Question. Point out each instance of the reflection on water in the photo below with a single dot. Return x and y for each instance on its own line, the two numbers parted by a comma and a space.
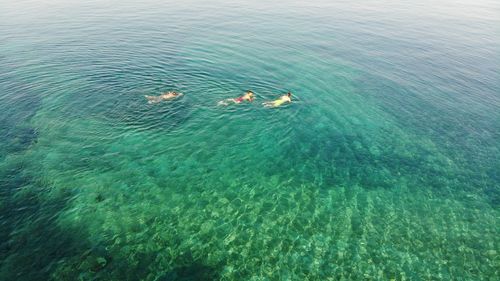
383, 167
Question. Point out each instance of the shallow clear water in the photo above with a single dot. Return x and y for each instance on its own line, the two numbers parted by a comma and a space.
385, 166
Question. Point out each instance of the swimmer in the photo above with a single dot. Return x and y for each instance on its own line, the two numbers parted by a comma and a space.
248, 96
165, 96
280, 101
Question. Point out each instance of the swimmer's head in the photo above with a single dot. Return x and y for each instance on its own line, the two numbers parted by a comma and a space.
289, 94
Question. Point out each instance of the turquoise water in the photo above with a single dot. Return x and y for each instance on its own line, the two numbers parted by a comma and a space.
384, 167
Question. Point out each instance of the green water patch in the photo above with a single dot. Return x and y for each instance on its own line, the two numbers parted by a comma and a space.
30, 237
332, 186
19, 104
380, 176
237, 200
252, 230
465, 139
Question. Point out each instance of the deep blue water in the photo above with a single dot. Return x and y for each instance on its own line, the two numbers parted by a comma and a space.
383, 167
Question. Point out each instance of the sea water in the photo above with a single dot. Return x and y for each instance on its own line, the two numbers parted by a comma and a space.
385, 166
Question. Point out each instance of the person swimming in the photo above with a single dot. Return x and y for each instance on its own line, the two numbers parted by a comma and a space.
280, 101
248, 96
165, 96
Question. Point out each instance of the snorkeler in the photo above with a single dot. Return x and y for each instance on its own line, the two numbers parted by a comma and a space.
165, 96
280, 101
248, 96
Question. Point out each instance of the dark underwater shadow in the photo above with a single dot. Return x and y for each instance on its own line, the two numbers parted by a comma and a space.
192, 272
185, 267
36, 247
329, 158
18, 105
30, 239
33, 245
468, 138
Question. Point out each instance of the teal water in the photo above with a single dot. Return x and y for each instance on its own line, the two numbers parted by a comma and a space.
384, 167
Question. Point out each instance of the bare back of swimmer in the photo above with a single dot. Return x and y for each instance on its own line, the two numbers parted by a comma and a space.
165, 96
